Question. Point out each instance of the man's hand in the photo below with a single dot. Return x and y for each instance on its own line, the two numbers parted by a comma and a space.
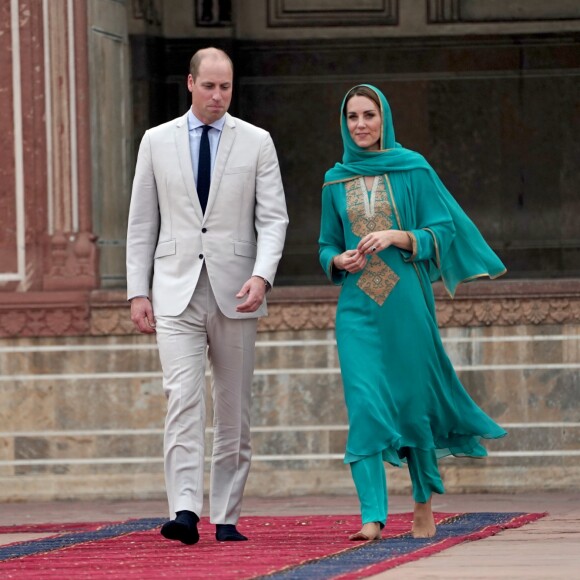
142, 315
254, 289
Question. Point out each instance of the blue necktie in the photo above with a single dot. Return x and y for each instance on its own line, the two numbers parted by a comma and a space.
204, 169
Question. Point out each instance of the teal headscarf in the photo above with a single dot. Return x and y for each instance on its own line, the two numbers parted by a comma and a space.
468, 256
389, 157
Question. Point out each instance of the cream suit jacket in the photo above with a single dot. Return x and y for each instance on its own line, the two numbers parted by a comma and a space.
241, 233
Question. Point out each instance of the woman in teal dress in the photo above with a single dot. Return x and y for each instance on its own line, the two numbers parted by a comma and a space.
389, 228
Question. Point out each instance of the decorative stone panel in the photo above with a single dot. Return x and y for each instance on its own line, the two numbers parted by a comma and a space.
498, 303
107, 313
34, 314
493, 303
332, 13
148, 10
464, 11
111, 119
46, 239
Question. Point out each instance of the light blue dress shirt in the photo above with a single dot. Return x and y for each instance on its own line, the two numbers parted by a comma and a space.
195, 130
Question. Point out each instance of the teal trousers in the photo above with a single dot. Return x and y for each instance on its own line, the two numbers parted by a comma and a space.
371, 482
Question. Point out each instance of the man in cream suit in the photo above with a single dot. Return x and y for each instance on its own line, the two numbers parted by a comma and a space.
206, 231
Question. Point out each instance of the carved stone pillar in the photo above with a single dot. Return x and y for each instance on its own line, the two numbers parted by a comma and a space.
71, 256
48, 254
111, 133
12, 222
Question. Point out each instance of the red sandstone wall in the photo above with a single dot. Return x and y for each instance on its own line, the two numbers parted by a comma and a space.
48, 257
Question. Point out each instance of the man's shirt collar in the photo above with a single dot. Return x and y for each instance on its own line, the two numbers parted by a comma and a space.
193, 122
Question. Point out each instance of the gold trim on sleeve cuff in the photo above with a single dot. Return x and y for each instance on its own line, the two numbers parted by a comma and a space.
413, 239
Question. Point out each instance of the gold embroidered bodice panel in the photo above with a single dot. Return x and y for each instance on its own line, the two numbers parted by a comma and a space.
369, 214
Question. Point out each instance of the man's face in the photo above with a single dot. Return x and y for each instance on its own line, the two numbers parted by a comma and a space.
211, 91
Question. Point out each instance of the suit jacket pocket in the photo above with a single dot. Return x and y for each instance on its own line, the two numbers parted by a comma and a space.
165, 249
238, 169
246, 249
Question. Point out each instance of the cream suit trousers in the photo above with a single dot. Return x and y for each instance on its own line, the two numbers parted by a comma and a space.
183, 342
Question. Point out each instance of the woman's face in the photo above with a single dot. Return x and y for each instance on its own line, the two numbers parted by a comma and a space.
364, 122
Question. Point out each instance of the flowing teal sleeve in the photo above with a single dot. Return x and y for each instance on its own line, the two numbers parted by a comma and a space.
456, 252
469, 256
432, 231
331, 240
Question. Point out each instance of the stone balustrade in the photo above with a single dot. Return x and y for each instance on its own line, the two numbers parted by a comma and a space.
82, 416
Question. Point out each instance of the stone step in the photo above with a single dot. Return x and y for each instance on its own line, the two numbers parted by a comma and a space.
325, 442
280, 478
111, 401
280, 397
92, 410
142, 357
128, 463
139, 354
30, 451
452, 469
84, 356
540, 436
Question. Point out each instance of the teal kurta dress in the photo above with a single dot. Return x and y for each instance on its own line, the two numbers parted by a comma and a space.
400, 387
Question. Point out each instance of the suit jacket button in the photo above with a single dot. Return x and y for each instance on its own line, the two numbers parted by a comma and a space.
203, 230
201, 256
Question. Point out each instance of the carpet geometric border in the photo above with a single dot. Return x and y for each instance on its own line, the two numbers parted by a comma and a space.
280, 548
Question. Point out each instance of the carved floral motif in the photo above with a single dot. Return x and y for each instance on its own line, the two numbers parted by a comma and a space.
105, 321
13, 322
450, 313
511, 311
487, 312
444, 312
536, 311
71, 262
462, 314
113, 318
44, 321
560, 309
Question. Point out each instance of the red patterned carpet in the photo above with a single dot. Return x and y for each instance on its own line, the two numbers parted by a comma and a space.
297, 548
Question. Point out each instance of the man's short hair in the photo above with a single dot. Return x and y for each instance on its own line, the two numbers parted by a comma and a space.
201, 54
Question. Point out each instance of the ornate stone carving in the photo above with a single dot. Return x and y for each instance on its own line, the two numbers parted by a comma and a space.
296, 308
301, 316
71, 261
487, 312
210, 13
44, 321
443, 10
147, 10
291, 313
333, 13
446, 11
561, 309
113, 320
444, 313
511, 311
12, 323
535, 311
461, 312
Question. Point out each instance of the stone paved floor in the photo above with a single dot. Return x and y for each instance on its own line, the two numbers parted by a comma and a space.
548, 549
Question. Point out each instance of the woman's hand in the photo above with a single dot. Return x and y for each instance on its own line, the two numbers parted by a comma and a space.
352, 261
377, 241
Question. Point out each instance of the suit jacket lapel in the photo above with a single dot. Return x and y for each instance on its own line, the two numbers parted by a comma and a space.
227, 139
184, 156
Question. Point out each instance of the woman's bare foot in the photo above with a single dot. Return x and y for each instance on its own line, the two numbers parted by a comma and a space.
370, 531
423, 521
